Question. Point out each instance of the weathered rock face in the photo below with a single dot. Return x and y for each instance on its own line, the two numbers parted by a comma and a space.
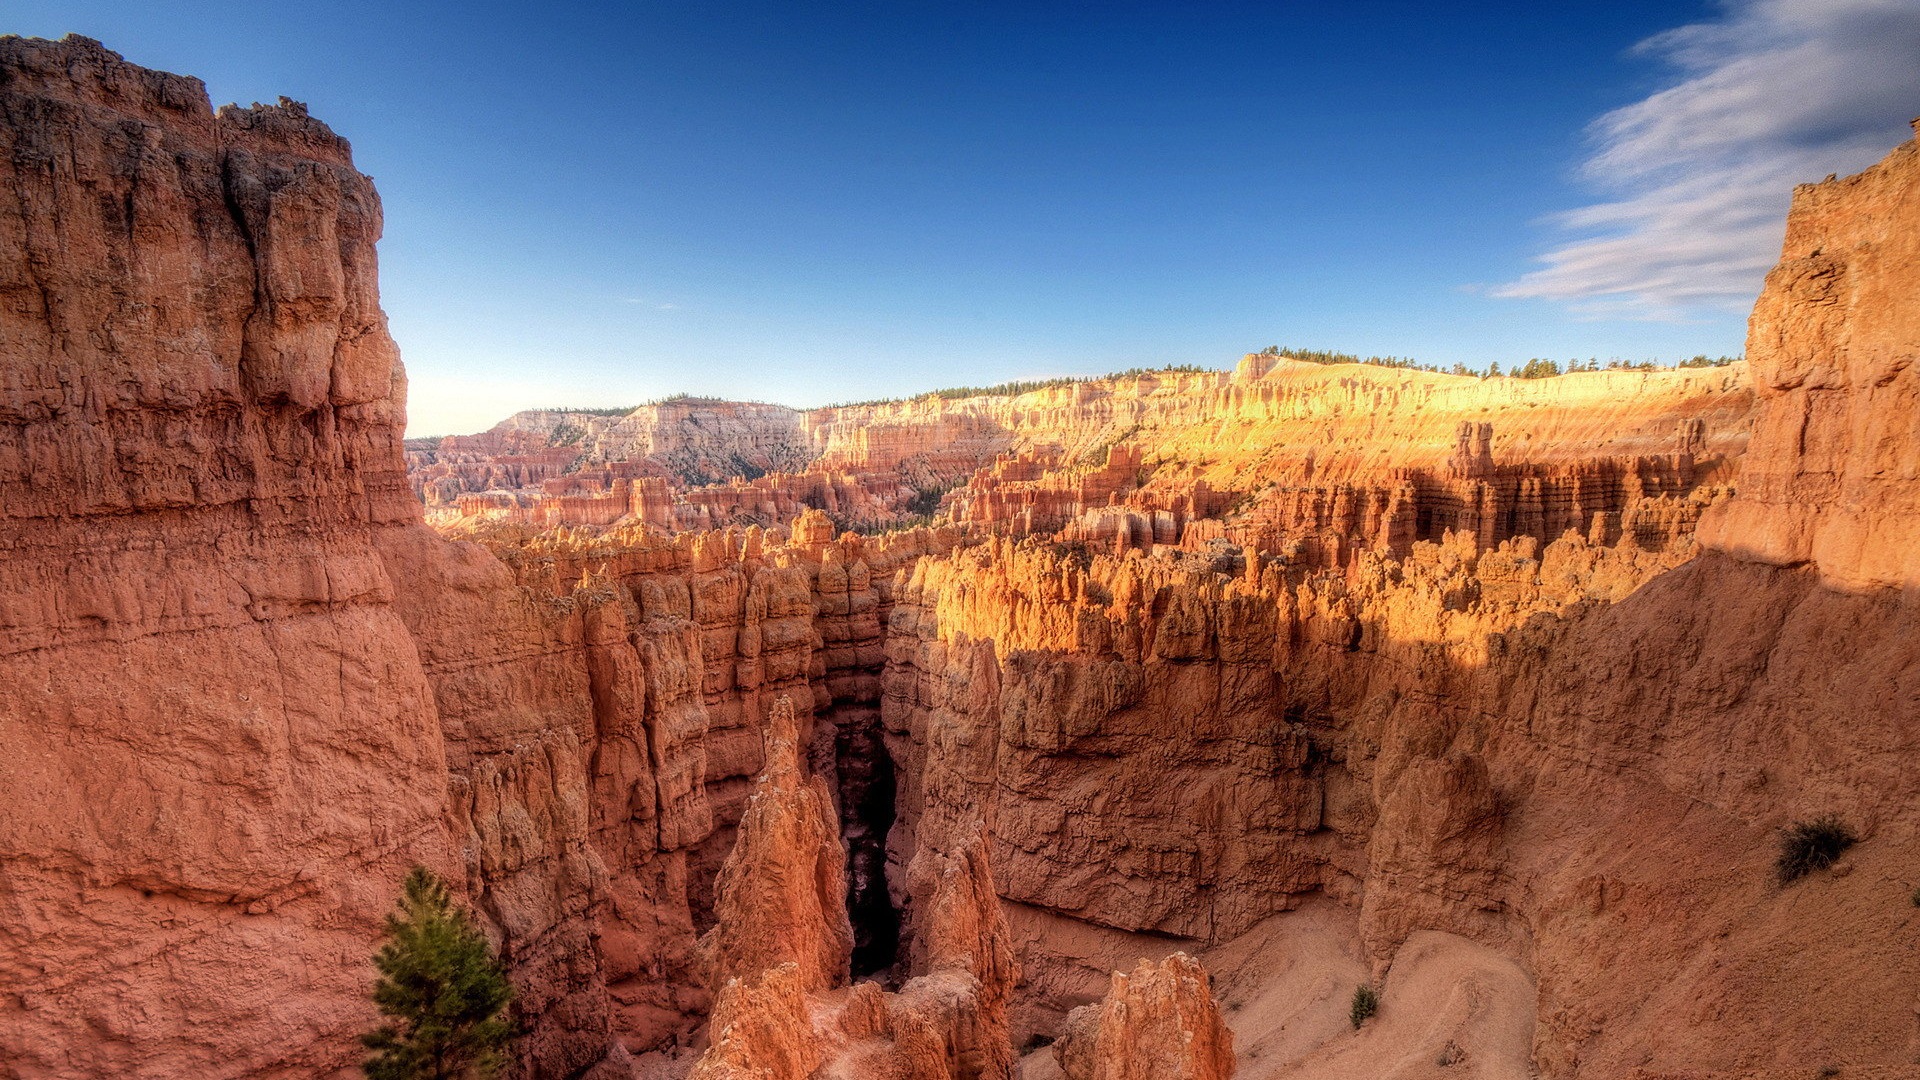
1166, 750
230, 751
1538, 750
443, 470
1315, 463
779, 955
782, 895
309, 690
1301, 661
1434, 860
1321, 459
1833, 342
693, 440
1159, 1022
962, 958
761, 1030
1575, 753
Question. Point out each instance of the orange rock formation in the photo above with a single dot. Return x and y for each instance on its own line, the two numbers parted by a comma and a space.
1837, 476
1158, 1023
1322, 675
1319, 457
779, 954
310, 691
230, 746
782, 895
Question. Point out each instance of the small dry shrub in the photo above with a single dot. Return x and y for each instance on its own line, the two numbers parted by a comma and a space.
1366, 1002
1806, 846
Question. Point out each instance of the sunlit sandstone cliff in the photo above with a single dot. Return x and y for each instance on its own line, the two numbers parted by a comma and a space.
1574, 752
1308, 448
1833, 338
264, 688
1473, 716
694, 440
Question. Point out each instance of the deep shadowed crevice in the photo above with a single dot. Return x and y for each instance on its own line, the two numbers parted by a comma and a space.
867, 794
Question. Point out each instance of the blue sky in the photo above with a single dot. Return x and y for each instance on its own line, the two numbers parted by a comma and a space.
595, 204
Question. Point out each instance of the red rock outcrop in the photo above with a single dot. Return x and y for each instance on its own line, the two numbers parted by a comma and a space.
310, 691
962, 958
442, 471
1303, 661
779, 953
1575, 753
1158, 1022
230, 751
1309, 460
761, 1030
1431, 740
1833, 342
782, 895
695, 440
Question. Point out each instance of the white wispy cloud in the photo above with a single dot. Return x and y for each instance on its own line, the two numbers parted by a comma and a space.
1697, 177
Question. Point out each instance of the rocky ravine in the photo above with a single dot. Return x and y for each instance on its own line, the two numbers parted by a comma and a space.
1501, 722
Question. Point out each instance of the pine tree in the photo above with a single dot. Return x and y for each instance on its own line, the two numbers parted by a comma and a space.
444, 989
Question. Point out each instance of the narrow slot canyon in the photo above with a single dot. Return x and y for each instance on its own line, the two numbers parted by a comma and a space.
867, 796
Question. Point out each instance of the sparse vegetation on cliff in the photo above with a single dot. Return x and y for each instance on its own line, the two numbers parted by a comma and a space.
1077, 554
1325, 356
1366, 1002
1592, 363
443, 988
1096, 455
1806, 846
1535, 368
926, 501
1026, 386
954, 393
620, 410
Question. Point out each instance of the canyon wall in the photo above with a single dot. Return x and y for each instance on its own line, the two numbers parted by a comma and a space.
1833, 342
695, 440
222, 749
1490, 693
1576, 749
778, 959
263, 688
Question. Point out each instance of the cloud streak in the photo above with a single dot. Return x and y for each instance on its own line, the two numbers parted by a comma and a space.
1697, 176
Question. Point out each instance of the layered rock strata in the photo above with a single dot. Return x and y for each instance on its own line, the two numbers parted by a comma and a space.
782, 895
230, 751
1562, 751
1833, 341
1340, 456
694, 440
780, 952
1472, 714
204, 496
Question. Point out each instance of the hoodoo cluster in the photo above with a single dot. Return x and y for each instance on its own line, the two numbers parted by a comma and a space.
1142, 727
